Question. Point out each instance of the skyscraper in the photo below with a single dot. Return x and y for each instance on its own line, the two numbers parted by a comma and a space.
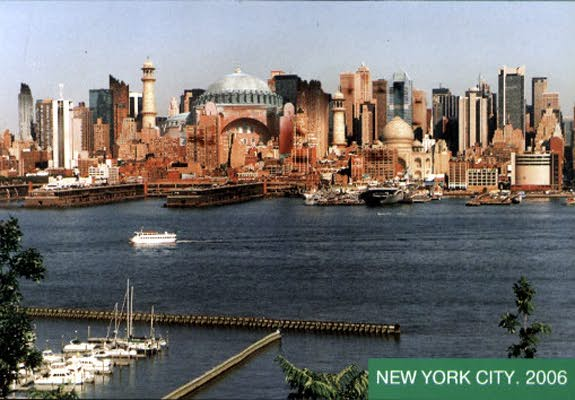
445, 113
25, 113
120, 109
399, 98
135, 104
511, 102
357, 89
82, 123
44, 125
62, 139
380, 97
473, 120
419, 114
148, 96
538, 87
101, 105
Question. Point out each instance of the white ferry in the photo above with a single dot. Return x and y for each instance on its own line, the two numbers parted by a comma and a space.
153, 237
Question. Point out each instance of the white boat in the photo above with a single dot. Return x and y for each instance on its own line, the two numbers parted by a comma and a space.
62, 374
93, 364
75, 346
153, 237
48, 357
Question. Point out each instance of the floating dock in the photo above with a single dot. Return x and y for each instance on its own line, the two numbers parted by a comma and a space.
220, 369
84, 196
337, 327
216, 196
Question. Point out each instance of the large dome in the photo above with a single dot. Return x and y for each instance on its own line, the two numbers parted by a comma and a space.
398, 131
240, 82
240, 89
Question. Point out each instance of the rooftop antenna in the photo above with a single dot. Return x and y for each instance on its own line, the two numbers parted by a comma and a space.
61, 90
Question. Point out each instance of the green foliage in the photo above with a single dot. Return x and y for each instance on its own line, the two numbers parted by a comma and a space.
348, 384
519, 323
58, 394
16, 333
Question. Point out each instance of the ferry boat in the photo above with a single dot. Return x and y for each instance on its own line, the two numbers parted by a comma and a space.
153, 237
383, 195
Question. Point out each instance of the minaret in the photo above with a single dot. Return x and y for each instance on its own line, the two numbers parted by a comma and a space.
338, 120
148, 96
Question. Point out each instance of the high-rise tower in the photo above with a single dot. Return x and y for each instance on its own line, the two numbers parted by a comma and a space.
338, 109
538, 87
25, 113
399, 98
148, 96
511, 100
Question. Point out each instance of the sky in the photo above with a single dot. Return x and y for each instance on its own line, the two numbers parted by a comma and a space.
193, 44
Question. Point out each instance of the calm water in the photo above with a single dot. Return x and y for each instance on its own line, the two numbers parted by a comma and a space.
442, 270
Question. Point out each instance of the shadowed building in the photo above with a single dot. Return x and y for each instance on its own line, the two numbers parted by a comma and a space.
473, 121
380, 97
399, 98
511, 101
44, 125
25, 113
419, 114
120, 109
188, 98
445, 114
538, 87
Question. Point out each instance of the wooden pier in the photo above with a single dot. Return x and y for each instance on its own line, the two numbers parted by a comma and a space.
84, 196
336, 327
220, 369
216, 196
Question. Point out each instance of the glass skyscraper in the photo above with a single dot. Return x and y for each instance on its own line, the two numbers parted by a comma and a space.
399, 98
511, 99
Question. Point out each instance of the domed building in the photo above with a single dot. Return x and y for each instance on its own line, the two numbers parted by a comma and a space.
248, 114
411, 155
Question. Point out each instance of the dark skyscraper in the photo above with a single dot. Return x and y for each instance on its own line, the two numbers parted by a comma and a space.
380, 96
399, 98
511, 102
101, 105
25, 113
120, 109
44, 124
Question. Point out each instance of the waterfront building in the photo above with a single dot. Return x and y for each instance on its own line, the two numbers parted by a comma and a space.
535, 171
380, 162
538, 87
25, 113
511, 101
148, 96
457, 178
441, 157
44, 124
399, 98
483, 178
135, 105
419, 114
247, 112
473, 120
380, 98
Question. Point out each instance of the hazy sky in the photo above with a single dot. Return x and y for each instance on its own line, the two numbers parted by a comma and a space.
192, 44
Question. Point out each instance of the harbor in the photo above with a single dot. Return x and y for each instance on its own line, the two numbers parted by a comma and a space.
266, 259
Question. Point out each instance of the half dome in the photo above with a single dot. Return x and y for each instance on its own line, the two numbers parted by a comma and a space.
397, 130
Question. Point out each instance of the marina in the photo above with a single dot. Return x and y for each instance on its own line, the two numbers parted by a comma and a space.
266, 259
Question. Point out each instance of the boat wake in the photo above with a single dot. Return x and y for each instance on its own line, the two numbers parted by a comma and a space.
198, 241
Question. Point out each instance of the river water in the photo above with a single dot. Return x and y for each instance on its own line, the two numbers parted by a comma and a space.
442, 270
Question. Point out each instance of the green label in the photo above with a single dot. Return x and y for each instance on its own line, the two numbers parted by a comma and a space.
471, 379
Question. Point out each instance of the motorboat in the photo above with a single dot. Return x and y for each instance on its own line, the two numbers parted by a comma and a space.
95, 365
153, 237
75, 346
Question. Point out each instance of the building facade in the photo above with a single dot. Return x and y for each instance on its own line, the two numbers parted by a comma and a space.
25, 113
538, 87
511, 100
400, 98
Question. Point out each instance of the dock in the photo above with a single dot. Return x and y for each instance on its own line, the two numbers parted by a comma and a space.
201, 381
232, 322
84, 196
215, 196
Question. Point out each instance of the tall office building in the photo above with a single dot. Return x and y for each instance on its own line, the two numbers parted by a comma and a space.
100, 103
538, 87
473, 120
445, 114
357, 89
25, 113
419, 114
44, 123
120, 109
135, 104
82, 124
511, 101
148, 96
62, 138
380, 97
399, 98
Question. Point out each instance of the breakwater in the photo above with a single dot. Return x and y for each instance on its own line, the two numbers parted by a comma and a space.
220, 369
338, 327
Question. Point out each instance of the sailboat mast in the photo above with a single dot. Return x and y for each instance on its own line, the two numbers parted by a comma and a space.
128, 328
131, 311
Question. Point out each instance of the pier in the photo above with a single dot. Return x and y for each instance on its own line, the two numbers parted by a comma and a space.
216, 196
335, 327
84, 196
220, 369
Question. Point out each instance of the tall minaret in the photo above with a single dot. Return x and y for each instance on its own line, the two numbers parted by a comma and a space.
338, 120
148, 96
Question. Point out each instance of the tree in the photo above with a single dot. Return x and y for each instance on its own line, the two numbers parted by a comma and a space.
16, 333
350, 383
528, 334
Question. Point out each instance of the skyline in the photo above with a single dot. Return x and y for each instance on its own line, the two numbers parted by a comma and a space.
194, 44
